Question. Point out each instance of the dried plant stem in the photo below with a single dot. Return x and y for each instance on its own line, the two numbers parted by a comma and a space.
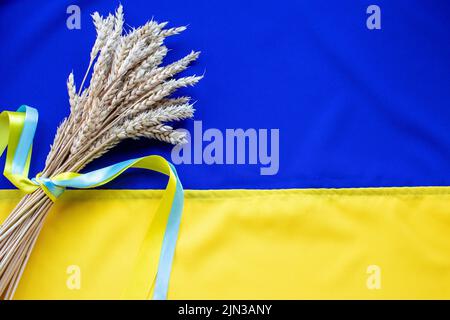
15, 252
127, 97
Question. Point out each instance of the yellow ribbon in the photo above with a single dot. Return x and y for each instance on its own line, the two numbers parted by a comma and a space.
11, 127
156, 255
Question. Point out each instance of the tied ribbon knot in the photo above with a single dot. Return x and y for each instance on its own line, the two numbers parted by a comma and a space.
47, 184
155, 257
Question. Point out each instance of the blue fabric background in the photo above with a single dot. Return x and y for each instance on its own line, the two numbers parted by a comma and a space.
355, 108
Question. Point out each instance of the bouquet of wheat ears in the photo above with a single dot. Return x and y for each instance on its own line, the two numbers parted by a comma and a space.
129, 96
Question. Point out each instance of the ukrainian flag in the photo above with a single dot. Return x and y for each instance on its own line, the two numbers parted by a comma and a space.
320, 168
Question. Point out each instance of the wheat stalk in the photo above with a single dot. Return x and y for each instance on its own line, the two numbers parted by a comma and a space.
128, 97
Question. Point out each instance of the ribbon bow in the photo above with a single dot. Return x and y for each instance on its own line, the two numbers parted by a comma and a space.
156, 255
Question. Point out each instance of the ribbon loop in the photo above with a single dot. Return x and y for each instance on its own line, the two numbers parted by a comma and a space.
47, 185
154, 262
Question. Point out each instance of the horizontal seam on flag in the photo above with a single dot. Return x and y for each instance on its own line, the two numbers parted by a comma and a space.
114, 194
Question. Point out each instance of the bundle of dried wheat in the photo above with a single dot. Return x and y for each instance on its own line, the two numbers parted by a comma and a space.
128, 97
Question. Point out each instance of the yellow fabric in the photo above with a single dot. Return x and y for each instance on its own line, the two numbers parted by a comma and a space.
16, 135
250, 244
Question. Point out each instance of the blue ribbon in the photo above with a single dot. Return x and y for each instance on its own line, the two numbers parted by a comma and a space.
54, 187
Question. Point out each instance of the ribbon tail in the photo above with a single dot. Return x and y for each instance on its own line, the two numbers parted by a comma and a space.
169, 244
17, 131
